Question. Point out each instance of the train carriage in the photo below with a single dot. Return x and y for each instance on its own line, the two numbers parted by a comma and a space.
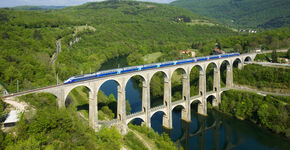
144, 67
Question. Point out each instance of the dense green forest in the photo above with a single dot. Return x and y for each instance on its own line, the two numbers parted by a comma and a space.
104, 30
263, 77
269, 111
95, 32
267, 40
242, 14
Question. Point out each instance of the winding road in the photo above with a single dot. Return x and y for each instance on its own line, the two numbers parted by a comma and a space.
269, 64
58, 45
244, 88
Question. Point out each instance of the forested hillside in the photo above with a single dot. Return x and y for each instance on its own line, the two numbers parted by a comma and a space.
242, 13
267, 40
90, 34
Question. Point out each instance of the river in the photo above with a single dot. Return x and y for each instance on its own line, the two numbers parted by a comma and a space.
216, 131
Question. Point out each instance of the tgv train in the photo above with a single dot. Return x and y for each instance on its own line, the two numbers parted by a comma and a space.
144, 67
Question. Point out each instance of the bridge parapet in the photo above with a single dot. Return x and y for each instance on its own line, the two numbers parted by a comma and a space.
177, 102
135, 114
62, 91
157, 108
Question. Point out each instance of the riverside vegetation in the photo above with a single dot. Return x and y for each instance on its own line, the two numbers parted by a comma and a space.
263, 77
272, 112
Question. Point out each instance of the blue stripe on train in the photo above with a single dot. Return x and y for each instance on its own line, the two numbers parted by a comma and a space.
148, 67
129, 70
163, 65
214, 57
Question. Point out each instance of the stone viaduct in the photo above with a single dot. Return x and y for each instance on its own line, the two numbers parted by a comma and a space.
61, 91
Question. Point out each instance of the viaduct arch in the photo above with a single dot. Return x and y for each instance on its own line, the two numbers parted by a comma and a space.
61, 91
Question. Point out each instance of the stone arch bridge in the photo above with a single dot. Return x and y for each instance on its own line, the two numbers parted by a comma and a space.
61, 91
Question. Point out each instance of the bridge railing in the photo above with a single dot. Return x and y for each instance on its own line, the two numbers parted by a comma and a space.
29, 91
195, 97
177, 102
158, 107
134, 114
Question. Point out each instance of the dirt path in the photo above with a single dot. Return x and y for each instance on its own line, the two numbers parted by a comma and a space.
22, 106
140, 138
82, 116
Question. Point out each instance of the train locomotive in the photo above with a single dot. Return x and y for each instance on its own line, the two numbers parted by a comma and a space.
104, 73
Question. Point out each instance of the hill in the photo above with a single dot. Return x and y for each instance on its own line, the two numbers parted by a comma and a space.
91, 34
242, 13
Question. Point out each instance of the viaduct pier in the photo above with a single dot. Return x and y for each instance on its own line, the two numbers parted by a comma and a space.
93, 85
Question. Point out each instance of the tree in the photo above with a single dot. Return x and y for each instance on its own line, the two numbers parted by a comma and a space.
2, 137
5, 35
288, 53
274, 56
1, 107
37, 35
238, 47
30, 143
128, 107
110, 137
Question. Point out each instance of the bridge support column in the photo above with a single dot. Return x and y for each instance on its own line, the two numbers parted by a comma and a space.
93, 109
229, 80
121, 109
202, 109
146, 102
185, 114
167, 118
216, 87
60, 94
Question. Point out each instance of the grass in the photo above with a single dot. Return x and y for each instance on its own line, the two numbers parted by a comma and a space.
149, 141
132, 142
150, 58
83, 28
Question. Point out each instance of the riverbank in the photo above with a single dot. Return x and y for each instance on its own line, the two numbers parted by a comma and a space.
271, 112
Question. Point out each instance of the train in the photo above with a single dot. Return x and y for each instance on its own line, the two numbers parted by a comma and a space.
104, 73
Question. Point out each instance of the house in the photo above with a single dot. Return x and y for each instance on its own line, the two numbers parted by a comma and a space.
218, 51
258, 50
187, 52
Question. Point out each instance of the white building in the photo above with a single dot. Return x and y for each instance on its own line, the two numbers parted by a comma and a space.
12, 118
